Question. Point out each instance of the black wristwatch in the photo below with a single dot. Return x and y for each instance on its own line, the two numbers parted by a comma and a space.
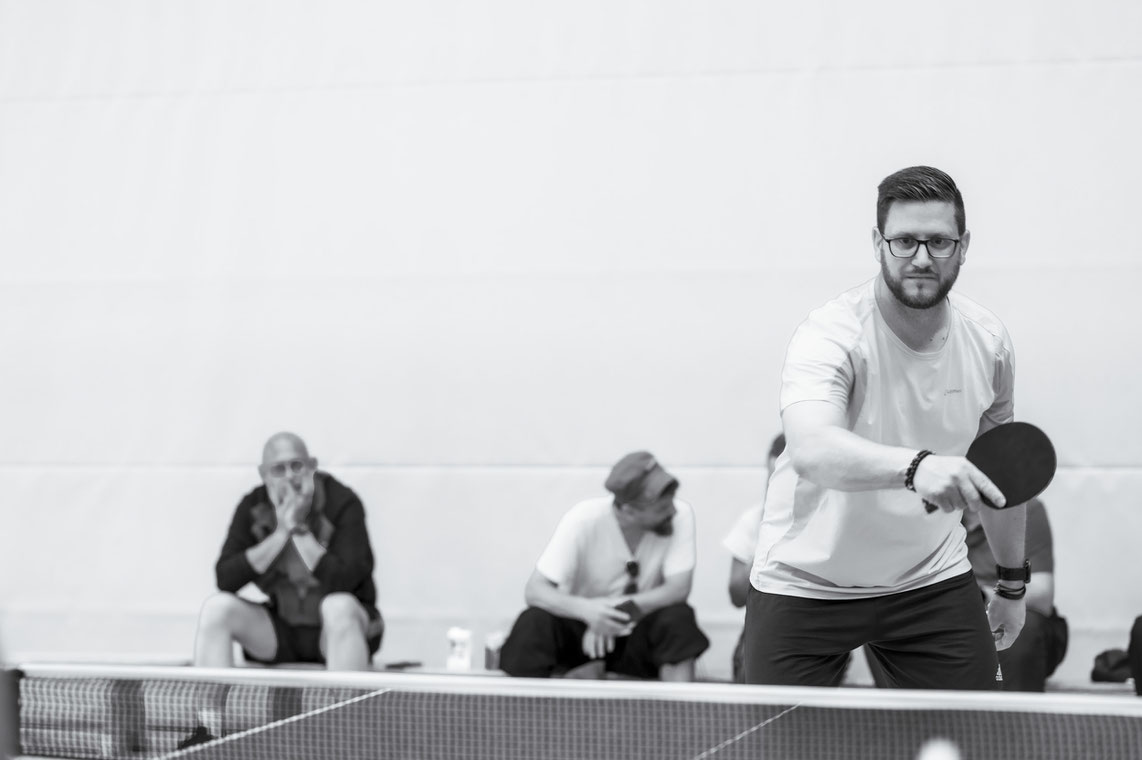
1015, 573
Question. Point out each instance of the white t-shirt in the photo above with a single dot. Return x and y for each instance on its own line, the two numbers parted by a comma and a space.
826, 544
587, 555
741, 541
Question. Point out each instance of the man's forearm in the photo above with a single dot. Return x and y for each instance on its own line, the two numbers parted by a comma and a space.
672, 591
262, 555
1006, 531
840, 459
551, 599
739, 581
309, 548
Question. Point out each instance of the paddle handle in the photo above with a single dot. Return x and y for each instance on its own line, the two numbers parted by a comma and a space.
930, 507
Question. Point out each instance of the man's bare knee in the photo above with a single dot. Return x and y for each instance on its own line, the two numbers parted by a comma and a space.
222, 610
341, 612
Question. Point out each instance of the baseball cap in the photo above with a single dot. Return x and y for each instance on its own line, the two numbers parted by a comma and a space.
638, 478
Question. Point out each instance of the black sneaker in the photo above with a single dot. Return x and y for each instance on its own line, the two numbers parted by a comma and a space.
198, 736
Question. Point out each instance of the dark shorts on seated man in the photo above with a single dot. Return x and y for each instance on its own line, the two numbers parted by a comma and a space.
542, 645
302, 643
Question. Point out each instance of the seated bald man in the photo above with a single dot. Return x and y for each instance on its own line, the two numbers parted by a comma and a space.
301, 538
609, 591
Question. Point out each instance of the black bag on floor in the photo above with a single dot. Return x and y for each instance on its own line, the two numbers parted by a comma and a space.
1111, 666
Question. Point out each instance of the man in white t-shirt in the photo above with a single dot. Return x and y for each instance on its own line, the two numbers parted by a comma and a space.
609, 591
873, 383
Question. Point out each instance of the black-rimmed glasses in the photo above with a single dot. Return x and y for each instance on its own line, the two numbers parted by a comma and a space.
632, 583
938, 247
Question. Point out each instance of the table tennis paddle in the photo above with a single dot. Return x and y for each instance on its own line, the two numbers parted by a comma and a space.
631, 609
1018, 457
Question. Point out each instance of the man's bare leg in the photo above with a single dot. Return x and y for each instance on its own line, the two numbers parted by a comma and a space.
592, 670
677, 671
224, 619
343, 633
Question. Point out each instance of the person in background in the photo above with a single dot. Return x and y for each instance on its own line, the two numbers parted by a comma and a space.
1134, 654
741, 542
609, 591
301, 538
1041, 645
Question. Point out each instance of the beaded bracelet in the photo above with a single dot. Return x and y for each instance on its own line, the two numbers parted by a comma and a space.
911, 473
1013, 594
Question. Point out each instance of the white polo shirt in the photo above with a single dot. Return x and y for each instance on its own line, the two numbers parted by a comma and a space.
587, 555
826, 544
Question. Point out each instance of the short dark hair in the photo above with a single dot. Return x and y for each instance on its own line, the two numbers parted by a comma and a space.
918, 183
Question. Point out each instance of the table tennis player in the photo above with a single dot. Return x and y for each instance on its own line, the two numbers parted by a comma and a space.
609, 592
874, 382
301, 538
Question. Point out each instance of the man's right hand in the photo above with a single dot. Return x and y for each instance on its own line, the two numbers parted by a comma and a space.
953, 483
601, 617
289, 506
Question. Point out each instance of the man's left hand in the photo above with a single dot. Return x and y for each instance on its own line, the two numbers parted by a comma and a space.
597, 645
1005, 617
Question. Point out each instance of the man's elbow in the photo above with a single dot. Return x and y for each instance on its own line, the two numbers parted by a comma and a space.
737, 594
533, 591
681, 589
225, 582
805, 464
223, 576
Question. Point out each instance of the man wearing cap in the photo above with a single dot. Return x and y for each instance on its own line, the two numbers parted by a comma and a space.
609, 591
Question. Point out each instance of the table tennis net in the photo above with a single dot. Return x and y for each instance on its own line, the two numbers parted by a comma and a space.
92, 712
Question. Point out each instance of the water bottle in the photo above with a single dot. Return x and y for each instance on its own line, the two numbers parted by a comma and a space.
459, 649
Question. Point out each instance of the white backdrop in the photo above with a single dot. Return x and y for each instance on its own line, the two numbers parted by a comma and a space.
476, 251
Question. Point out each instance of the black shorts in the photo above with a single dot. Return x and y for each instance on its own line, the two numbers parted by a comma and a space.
302, 643
936, 637
541, 645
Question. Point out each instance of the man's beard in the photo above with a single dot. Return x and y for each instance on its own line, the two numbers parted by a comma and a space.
896, 285
664, 528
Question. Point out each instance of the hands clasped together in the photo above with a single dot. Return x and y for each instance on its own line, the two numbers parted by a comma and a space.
605, 623
292, 502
